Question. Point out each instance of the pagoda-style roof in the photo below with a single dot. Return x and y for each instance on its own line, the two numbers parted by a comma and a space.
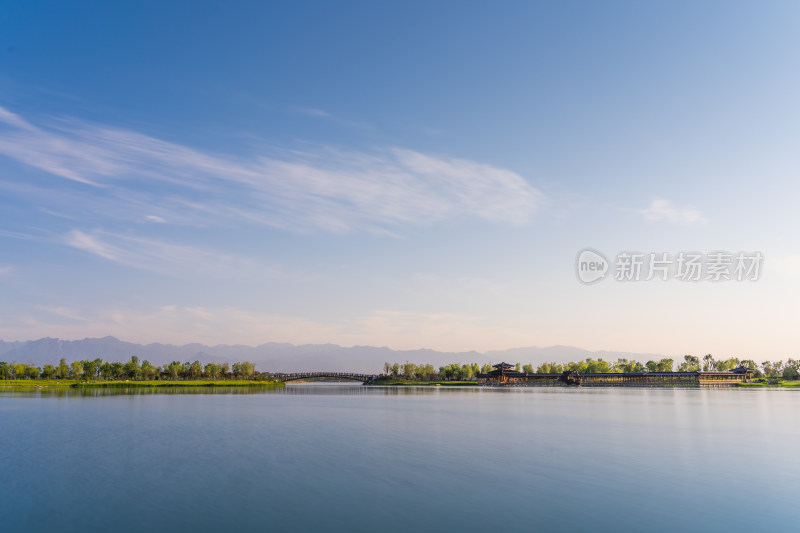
503, 365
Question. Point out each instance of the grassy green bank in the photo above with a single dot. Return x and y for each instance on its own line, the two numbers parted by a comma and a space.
68, 383
412, 383
784, 383
36, 383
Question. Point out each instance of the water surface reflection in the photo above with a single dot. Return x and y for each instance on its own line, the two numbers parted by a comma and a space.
344, 457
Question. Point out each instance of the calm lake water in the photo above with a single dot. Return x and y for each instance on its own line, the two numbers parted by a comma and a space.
352, 458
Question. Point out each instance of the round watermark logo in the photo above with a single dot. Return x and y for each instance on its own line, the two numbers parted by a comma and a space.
591, 266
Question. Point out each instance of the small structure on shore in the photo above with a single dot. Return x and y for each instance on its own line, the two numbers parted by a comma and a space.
505, 375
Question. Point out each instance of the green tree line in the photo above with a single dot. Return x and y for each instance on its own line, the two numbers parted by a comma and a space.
466, 372
97, 369
427, 372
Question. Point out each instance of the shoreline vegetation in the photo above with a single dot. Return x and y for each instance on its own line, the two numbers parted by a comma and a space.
68, 383
764, 384
768, 374
97, 373
384, 381
388, 381
133, 374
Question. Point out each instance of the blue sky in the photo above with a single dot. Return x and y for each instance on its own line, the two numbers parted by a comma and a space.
407, 174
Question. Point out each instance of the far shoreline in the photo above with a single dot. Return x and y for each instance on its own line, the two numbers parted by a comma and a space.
17, 384
26, 384
762, 384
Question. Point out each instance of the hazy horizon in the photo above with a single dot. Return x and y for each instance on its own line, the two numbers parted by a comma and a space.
282, 357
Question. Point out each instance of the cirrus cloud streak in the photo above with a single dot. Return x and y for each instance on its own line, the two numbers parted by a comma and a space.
319, 189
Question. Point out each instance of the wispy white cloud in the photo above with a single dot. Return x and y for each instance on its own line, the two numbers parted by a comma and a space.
23, 236
314, 112
89, 243
663, 211
5, 270
320, 189
159, 256
63, 312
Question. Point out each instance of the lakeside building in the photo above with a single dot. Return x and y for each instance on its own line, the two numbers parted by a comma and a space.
505, 375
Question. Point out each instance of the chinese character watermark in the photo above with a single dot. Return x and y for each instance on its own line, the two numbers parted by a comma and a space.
717, 266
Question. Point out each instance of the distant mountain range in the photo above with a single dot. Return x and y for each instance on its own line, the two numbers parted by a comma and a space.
280, 357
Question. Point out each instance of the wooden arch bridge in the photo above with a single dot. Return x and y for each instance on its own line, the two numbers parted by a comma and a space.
363, 378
